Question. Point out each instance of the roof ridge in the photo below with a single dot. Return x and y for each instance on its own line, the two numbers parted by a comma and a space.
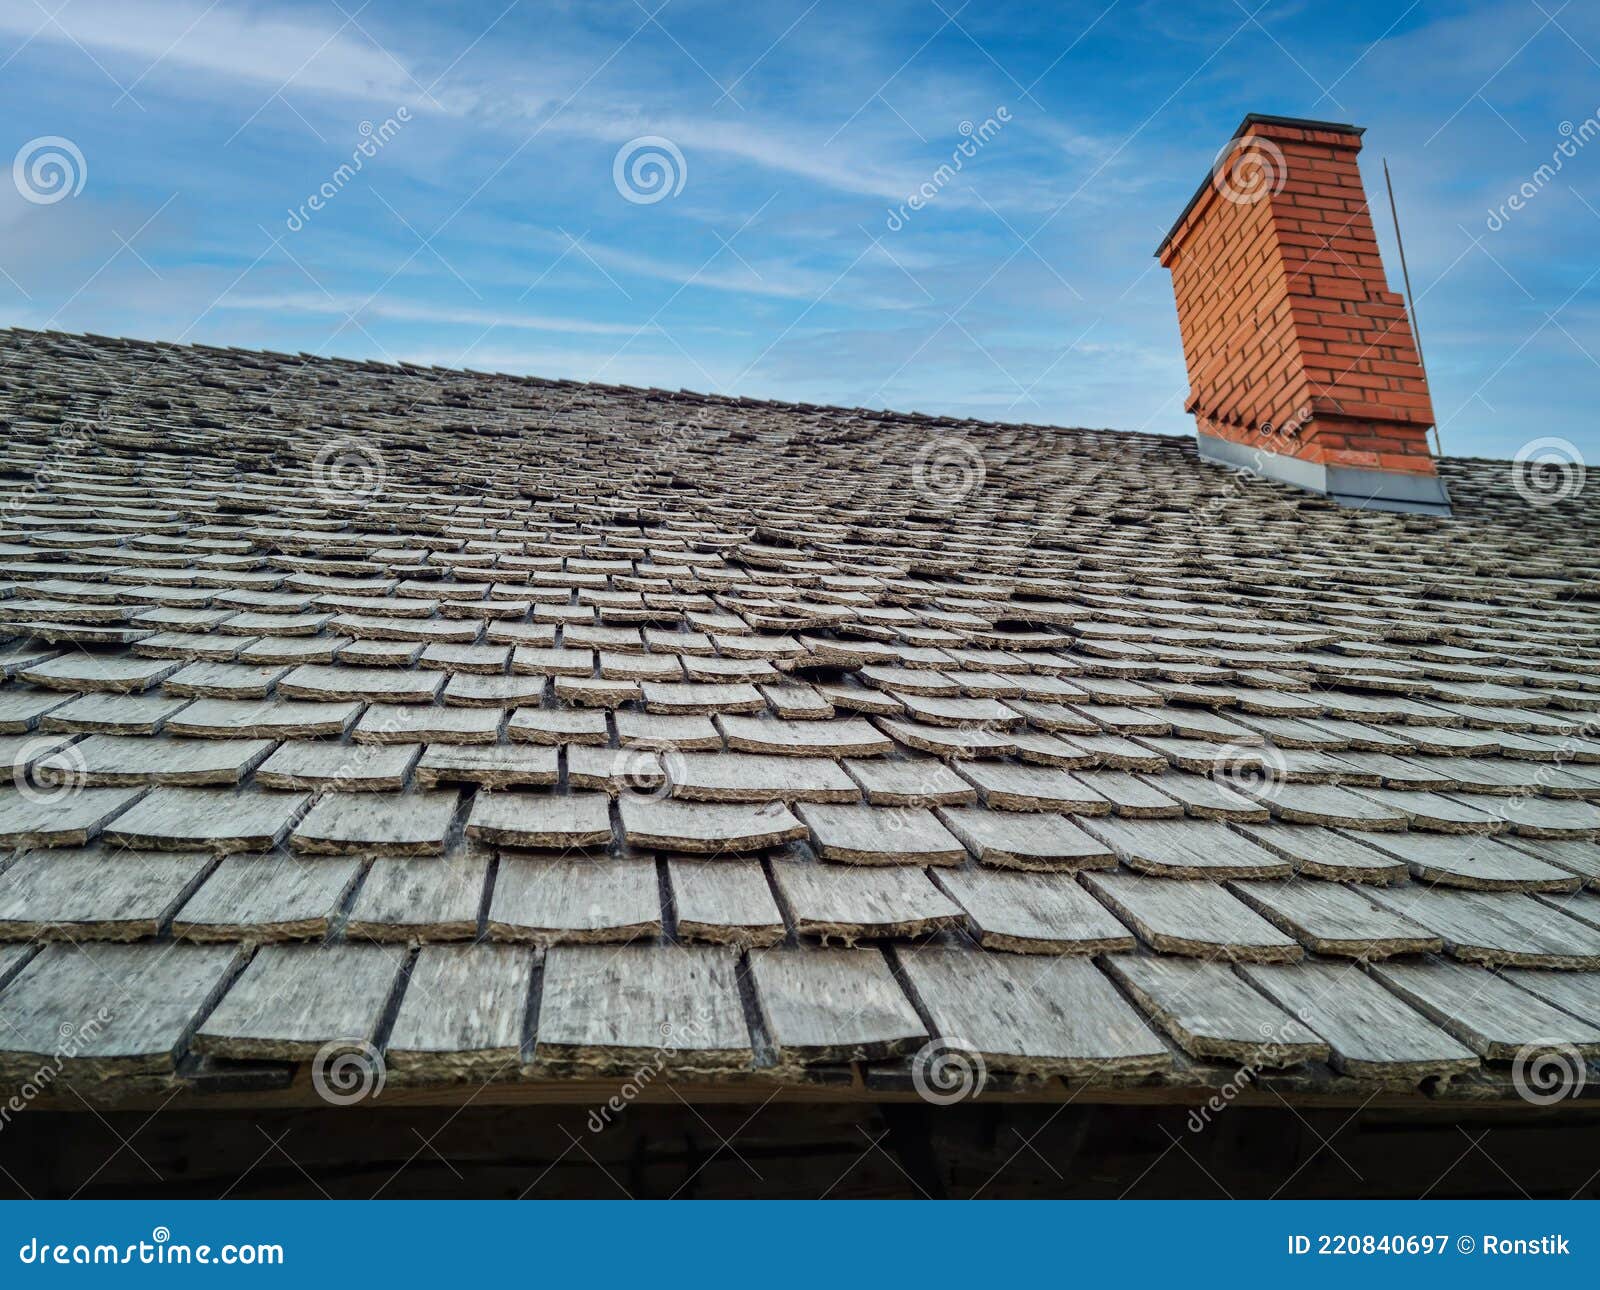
723, 400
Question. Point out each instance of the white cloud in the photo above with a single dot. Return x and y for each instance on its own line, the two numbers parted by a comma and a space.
786, 151
409, 311
312, 53
272, 50
727, 270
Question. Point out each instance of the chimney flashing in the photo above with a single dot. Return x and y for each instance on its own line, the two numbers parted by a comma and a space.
1358, 487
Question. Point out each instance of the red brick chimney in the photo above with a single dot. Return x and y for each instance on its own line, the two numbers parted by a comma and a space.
1301, 361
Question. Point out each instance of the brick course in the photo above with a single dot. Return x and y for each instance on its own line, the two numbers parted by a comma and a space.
1293, 341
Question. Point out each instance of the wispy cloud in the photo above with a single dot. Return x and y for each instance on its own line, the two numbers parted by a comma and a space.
306, 302
776, 271
725, 269
310, 53
790, 150
233, 45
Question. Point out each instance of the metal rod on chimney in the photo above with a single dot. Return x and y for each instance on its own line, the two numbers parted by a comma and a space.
1416, 327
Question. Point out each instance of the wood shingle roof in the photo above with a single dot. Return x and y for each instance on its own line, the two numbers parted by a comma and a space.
525, 730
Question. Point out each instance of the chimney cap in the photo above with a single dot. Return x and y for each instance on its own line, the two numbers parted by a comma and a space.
1297, 122
1254, 119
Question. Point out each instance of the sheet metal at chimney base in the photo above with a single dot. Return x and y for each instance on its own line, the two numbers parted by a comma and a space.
1373, 490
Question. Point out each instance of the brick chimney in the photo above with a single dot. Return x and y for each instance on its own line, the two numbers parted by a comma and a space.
1302, 366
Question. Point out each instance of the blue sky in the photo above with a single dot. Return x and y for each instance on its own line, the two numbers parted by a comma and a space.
486, 226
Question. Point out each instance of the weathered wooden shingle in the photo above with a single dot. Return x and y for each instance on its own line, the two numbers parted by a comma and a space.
94, 893
577, 898
1034, 913
499, 766
124, 760
331, 767
432, 898
464, 1013
753, 777
1371, 1032
848, 904
240, 718
678, 1006
1012, 840
1507, 929
1036, 1016
207, 819
1201, 919
1212, 1013
834, 1005
875, 835
704, 828
726, 902
387, 824
1492, 1017
267, 898
294, 999
1329, 918
67, 819
545, 822
86, 673
109, 1009
1188, 849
